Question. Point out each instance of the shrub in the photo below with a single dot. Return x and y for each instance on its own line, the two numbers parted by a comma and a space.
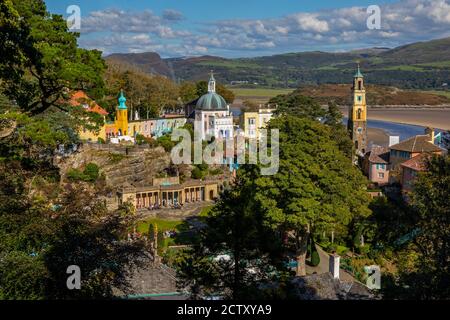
151, 232
115, 158
215, 172
315, 259
161, 243
91, 172
166, 142
75, 175
197, 173
101, 140
341, 250
202, 166
365, 249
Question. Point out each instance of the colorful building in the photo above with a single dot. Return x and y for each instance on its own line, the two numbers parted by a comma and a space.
413, 147
167, 192
122, 125
212, 116
252, 121
376, 165
410, 169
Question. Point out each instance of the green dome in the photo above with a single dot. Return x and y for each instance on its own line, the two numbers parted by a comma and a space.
211, 101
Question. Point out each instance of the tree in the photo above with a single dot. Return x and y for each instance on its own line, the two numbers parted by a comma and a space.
429, 275
236, 252
316, 187
298, 105
41, 60
188, 92
39, 241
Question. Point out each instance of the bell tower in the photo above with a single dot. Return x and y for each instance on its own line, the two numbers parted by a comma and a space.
357, 116
122, 116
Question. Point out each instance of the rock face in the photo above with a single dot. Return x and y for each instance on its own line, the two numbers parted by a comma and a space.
123, 166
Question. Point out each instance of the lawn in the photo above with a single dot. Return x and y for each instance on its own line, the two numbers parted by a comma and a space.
259, 92
163, 225
205, 211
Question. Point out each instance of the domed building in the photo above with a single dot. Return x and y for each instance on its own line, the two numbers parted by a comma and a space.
212, 116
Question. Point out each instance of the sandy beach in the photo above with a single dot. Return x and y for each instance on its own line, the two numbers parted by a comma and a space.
436, 118
378, 137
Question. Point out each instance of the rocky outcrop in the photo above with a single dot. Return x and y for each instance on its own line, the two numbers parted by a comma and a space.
122, 166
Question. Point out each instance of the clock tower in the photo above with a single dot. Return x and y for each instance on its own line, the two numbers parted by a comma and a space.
357, 116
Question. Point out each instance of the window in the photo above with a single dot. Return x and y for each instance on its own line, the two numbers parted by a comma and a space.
251, 121
359, 114
359, 85
380, 175
359, 98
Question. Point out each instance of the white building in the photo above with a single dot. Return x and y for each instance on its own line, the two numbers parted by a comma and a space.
212, 115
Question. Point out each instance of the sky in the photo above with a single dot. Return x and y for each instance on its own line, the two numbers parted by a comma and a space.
248, 28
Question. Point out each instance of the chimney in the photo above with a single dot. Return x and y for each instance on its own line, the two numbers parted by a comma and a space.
334, 265
393, 140
430, 132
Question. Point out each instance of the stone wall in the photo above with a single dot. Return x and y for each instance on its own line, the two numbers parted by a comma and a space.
123, 166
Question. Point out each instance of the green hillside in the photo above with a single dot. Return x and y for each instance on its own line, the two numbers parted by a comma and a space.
422, 65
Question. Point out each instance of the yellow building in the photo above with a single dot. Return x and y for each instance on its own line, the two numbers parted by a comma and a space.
121, 121
80, 98
252, 121
168, 192
122, 125
357, 116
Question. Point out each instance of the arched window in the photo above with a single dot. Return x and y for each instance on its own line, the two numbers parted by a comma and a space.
359, 85
359, 114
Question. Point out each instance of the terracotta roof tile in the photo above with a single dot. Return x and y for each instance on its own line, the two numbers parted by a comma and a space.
80, 97
419, 143
418, 163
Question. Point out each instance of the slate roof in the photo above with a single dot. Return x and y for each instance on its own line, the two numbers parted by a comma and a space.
419, 143
379, 154
325, 287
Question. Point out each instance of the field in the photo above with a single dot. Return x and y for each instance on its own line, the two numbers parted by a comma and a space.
256, 95
259, 92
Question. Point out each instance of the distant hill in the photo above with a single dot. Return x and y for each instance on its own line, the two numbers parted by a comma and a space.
422, 65
376, 95
148, 62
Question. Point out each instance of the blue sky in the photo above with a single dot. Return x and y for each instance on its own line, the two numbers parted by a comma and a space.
242, 28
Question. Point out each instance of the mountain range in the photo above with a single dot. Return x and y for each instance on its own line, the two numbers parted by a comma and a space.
421, 65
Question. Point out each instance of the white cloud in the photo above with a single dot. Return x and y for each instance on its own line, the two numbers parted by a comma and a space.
402, 22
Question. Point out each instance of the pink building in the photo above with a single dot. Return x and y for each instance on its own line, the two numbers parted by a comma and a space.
410, 170
376, 163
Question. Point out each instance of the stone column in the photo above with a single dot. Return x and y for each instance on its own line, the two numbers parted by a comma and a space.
334, 265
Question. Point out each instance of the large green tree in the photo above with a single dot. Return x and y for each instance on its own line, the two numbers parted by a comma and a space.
428, 276
316, 188
41, 60
46, 227
236, 251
